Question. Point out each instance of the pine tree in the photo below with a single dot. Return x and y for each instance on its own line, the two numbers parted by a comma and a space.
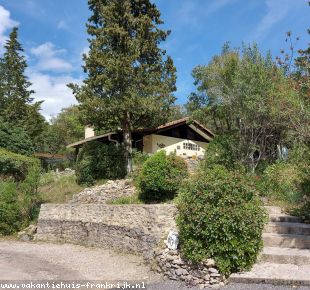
130, 78
16, 102
15, 94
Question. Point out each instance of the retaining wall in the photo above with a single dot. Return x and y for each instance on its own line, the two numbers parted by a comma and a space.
129, 228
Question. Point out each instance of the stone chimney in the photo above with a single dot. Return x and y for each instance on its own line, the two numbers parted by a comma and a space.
89, 132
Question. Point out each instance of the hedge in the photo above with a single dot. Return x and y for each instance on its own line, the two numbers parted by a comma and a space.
16, 165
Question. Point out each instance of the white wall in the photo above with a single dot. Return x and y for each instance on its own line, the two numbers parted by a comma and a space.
153, 143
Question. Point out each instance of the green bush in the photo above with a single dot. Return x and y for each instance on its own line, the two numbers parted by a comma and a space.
161, 177
19, 197
10, 210
15, 165
282, 181
19, 202
221, 217
100, 161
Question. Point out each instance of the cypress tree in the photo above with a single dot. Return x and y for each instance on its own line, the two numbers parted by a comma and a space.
15, 94
130, 79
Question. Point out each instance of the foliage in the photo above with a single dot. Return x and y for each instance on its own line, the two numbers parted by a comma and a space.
100, 161
221, 217
16, 165
161, 177
10, 215
19, 201
132, 199
58, 189
16, 101
244, 94
221, 151
282, 182
15, 139
138, 159
130, 79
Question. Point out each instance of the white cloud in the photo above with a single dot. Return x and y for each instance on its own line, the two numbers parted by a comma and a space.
53, 91
190, 12
48, 58
277, 10
62, 25
5, 23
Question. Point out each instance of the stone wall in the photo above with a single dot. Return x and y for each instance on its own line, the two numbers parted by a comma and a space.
129, 228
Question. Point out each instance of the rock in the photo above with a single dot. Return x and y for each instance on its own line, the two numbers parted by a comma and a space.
111, 190
169, 258
215, 275
209, 263
213, 270
181, 271
27, 234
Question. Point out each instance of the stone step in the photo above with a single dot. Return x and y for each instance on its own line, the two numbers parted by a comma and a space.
285, 256
286, 241
283, 218
272, 273
287, 228
273, 209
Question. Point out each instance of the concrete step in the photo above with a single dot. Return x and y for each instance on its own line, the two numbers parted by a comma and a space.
286, 241
287, 228
285, 256
273, 209
283, 218
278, 274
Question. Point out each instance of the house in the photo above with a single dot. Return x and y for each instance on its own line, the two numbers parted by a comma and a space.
185, 137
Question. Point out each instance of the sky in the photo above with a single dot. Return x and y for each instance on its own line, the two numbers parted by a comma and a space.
53, 35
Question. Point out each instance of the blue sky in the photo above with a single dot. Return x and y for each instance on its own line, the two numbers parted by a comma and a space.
54, 37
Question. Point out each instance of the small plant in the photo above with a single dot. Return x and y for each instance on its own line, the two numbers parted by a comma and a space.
161, 177
221, 217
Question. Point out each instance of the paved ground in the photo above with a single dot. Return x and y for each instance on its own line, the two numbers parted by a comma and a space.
43, 261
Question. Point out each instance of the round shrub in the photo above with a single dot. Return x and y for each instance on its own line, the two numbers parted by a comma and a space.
221, 217
161, 177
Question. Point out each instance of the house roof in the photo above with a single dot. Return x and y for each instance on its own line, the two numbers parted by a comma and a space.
200, 129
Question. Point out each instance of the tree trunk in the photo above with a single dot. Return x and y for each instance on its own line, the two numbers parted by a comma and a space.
127, 143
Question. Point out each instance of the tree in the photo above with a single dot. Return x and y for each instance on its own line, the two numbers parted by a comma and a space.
16, 101
15, 93
245, 95
15, 139
130, 79
69, 125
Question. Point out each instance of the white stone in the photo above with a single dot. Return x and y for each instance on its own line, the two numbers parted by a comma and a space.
172, 240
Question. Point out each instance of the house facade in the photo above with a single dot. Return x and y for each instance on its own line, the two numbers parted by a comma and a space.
184, 137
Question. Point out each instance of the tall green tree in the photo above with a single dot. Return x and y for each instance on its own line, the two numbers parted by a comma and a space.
15, 92
130, 78
245, 96
16, 102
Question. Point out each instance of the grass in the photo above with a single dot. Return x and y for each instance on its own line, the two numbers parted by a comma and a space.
60, 189
132, 199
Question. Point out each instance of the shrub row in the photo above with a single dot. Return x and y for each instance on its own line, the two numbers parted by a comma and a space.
16, 165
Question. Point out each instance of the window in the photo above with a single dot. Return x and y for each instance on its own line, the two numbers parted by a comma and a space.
190, 146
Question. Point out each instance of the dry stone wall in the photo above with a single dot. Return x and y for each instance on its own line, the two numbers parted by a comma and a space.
130, 228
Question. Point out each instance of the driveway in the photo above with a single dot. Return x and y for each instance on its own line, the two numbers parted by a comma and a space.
22, 262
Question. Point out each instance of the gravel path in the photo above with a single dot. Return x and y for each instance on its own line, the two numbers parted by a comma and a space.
45, 261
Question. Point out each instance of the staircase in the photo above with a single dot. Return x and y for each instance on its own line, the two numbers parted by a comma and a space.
285, 258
